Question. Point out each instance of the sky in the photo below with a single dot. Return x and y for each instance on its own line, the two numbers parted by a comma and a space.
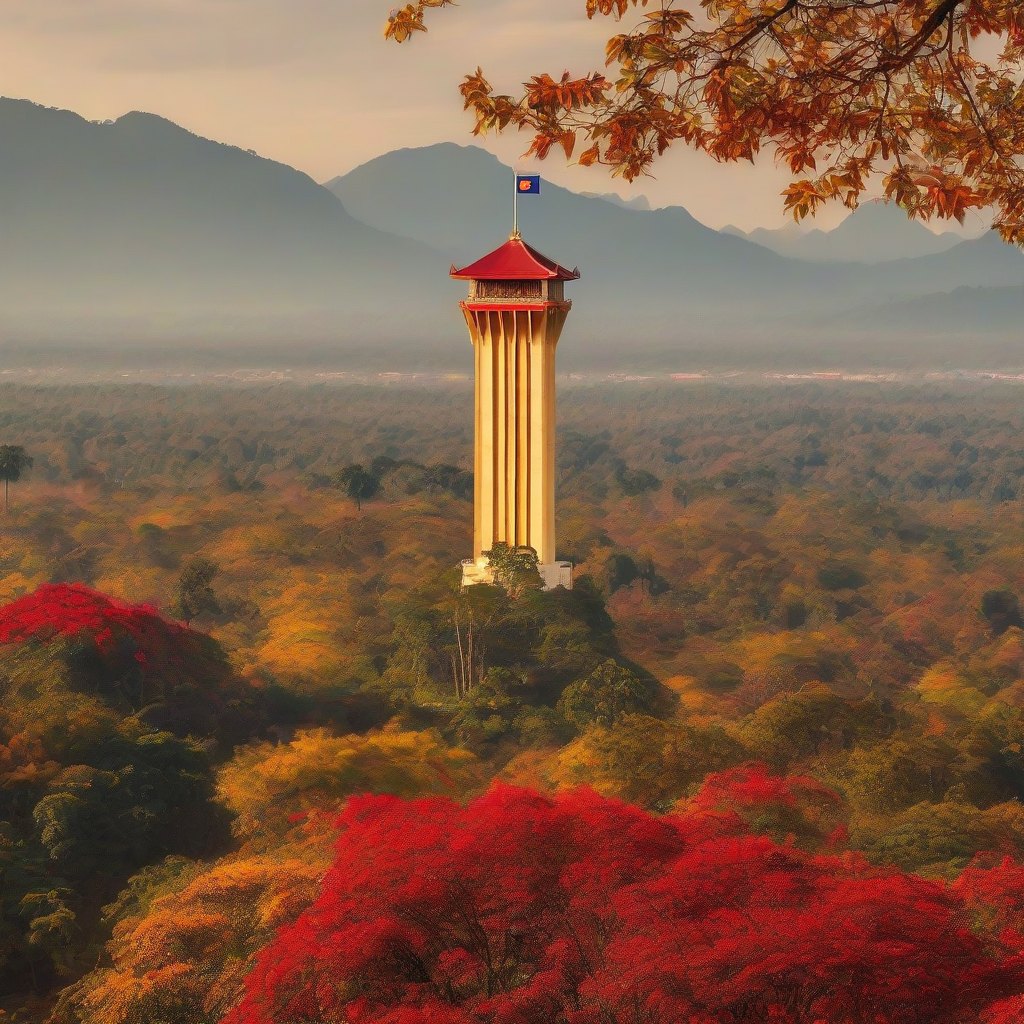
312, 83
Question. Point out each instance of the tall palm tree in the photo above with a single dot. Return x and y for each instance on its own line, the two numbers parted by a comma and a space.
13, 462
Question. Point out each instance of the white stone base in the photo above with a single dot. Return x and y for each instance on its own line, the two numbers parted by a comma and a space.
476, 571
554, 574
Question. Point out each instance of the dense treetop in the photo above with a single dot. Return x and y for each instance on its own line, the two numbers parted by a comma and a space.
110, 720
520, 907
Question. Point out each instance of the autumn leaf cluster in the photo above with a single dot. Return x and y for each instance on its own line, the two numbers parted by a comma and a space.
849, 91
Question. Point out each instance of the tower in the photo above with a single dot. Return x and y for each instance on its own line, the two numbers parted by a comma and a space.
515, 313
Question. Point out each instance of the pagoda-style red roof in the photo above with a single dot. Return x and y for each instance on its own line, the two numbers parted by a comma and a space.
515, 261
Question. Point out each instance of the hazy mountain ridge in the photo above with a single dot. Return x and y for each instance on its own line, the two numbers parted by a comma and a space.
873, 233
140, 217
663, 269
139, 229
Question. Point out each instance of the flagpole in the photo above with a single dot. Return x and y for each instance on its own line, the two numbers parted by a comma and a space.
515, 203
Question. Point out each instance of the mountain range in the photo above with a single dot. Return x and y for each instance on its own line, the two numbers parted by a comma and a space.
137, 226
653, 280
141, 231
874, 233
456, 198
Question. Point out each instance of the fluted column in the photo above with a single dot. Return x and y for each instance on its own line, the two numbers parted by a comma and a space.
514, 456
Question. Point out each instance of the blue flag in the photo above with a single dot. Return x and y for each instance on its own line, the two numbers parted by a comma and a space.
528, 184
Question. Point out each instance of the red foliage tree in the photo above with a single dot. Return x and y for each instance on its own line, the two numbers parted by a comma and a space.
131, 655
994, 895
523, 909
67, 609
793, 808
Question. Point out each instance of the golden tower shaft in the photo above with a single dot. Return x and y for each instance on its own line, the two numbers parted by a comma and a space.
514, 462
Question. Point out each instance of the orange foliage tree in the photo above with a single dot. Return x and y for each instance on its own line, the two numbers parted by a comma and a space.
844, 89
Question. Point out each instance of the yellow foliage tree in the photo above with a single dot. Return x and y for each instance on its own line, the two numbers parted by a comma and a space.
186, 933
265, 783
182, 955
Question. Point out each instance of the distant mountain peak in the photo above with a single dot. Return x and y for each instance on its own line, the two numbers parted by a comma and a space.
145, 219
876, 232
636, 203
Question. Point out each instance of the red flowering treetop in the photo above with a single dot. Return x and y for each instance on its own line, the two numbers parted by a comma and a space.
176, 678
68, 609
792, 809
994, 894
843, 89
525, 909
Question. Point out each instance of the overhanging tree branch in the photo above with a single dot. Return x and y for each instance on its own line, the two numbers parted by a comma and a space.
869, 89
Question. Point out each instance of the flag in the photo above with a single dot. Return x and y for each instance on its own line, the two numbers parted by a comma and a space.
528, 184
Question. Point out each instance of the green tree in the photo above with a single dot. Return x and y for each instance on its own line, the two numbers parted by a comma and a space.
138, 800
14, 461
603, 697
635, 481
796, 726
1002, 609
834, 575
515, 569
938, 838
647, 761
195, 590
487, 712
357, 483
896, 773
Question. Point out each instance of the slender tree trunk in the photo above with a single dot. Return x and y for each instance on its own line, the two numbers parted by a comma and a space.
455, 677
7, 488
462, 655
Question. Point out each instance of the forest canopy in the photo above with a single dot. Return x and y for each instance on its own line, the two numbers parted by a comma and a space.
794, 653
520, 907
925, 94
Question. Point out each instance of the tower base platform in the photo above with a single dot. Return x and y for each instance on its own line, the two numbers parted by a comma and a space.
554, 574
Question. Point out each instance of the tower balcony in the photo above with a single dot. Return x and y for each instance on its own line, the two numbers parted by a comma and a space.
527, 292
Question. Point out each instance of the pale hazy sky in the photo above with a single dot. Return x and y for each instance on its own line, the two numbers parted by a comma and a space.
313, 83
